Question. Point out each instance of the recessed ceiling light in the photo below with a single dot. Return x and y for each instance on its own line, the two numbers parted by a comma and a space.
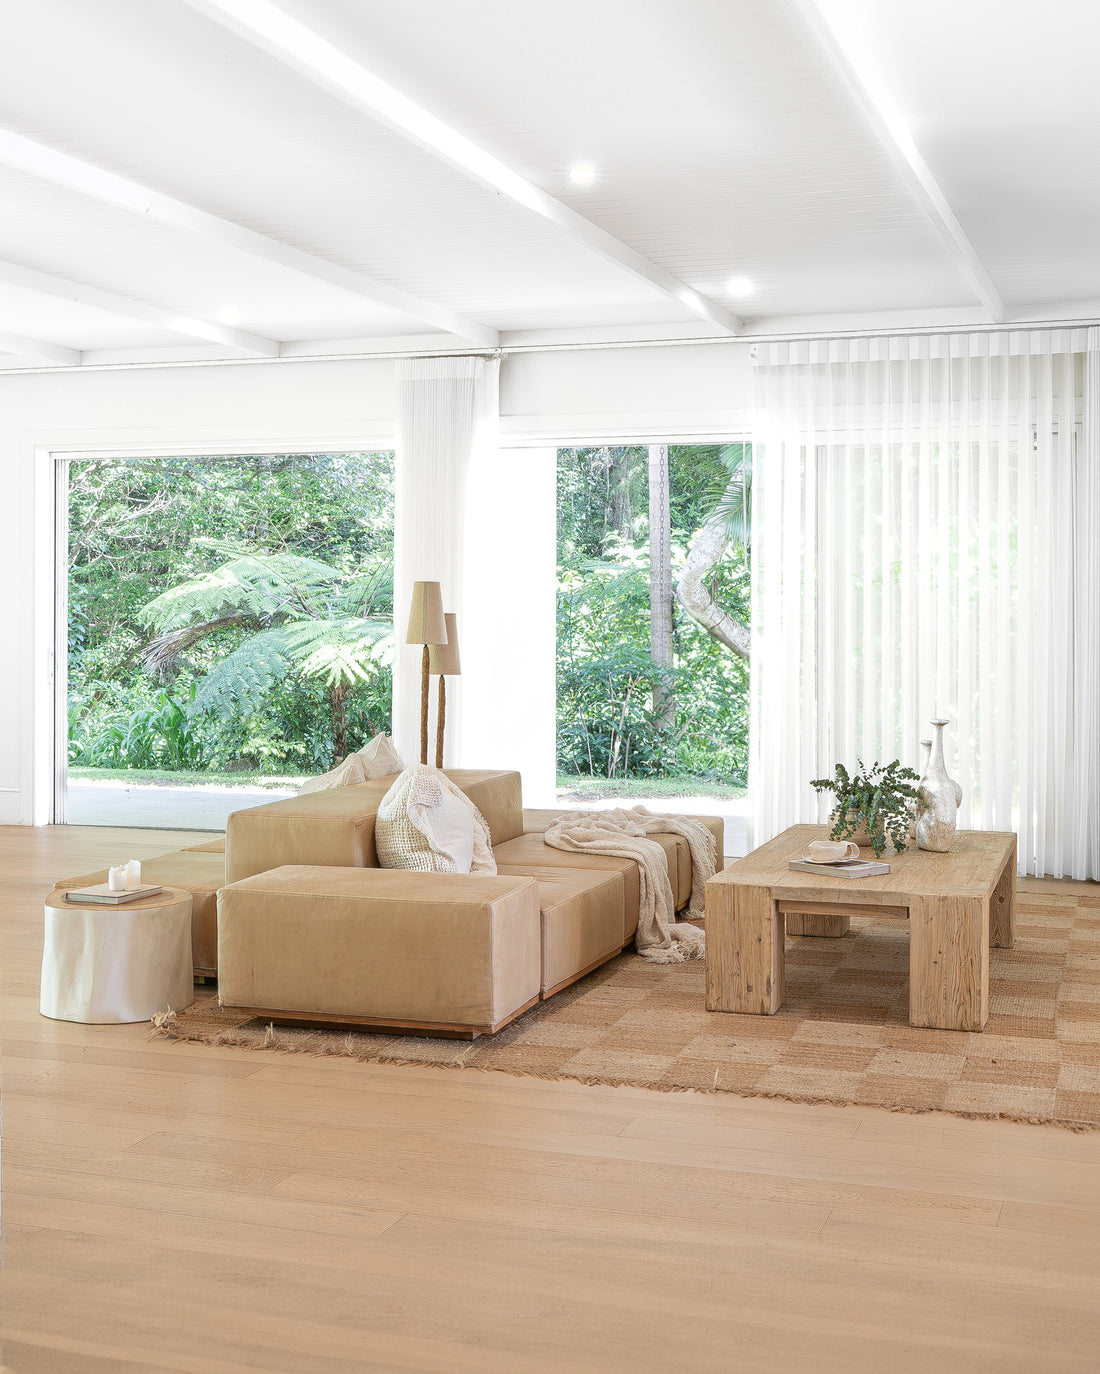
229, 314
583, 174
739, 286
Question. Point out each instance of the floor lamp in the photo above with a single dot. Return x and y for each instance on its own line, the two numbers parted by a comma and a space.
426, 626
443, 659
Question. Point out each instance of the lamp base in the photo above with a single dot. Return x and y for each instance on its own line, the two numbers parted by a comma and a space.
440, 721
424, 706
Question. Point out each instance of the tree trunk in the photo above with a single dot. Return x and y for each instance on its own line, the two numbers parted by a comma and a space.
338, 701
618, 477
706, 551
660, 579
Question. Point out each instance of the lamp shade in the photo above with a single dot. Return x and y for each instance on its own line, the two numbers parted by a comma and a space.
443, 658
426, 623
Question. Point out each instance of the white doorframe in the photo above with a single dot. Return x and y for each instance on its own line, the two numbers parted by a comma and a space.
59, 768
53, 455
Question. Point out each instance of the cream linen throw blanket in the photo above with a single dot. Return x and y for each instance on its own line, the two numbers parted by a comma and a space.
660, 938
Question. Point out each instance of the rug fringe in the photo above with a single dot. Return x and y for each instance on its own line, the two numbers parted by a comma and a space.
166, 1024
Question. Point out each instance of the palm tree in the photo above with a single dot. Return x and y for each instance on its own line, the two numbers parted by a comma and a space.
302, 616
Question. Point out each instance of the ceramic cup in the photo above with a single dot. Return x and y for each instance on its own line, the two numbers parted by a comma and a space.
830, 851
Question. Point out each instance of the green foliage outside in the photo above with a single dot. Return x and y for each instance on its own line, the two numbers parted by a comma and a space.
607, 726
228, 614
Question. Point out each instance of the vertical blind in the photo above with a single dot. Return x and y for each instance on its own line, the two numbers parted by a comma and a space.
926, 520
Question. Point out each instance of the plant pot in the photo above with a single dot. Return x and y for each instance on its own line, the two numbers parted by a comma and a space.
862, 836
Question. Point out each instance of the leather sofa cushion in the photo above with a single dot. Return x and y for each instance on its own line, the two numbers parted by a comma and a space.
533, 849
437, 949
198, 872
498, 795
210, 847
582, 921
335, 828
539, 819
527, 853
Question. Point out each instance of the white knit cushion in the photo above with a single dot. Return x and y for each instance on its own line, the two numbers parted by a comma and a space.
379, 758
345, 774
421, 825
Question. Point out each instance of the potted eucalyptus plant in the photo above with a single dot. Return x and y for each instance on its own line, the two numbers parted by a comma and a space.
873, 805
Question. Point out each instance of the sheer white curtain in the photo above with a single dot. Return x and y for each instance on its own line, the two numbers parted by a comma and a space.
926, 522
446, 416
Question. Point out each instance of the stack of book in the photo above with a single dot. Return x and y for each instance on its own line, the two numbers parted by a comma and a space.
841, 868
101, 892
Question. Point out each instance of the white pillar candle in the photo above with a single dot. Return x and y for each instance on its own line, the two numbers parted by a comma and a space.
133, 873
116, 879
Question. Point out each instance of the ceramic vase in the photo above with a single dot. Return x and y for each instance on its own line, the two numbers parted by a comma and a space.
914, 806
939, 799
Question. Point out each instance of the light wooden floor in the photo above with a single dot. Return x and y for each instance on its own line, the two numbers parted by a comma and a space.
173, 1207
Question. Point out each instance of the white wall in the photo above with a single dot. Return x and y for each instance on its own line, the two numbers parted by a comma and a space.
509, 648
695, 391
656, 393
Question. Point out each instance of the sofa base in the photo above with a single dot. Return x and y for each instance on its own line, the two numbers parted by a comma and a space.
583, 973
378, 1025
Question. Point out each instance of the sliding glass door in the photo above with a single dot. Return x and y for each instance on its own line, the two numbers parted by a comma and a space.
653, 637
228, 629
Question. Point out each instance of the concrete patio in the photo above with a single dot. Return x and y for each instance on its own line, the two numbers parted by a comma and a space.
206, 807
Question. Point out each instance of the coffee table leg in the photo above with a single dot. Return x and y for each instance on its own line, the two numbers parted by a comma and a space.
949, 962
744, 949
1002, 907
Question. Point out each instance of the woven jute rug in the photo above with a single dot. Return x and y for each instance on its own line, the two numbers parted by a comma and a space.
842, 1035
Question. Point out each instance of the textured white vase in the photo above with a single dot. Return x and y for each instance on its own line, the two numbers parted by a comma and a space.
939, 800
914, 806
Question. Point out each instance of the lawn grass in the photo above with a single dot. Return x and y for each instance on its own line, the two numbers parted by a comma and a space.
583, 788
163, 777
571, 787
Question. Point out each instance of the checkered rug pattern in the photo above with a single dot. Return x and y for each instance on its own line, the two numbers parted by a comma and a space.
842, 1035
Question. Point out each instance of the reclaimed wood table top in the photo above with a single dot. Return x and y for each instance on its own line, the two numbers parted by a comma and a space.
970, 869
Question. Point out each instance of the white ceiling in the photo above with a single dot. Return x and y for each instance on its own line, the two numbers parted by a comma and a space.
267, 210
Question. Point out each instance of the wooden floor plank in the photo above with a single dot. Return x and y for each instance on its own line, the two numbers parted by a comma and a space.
174, 1207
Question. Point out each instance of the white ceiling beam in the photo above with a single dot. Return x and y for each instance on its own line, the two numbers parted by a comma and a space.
39, 350
43, 283
857, 73
47, 163
298, 46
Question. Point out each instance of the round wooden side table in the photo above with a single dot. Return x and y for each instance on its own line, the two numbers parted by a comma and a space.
111, 964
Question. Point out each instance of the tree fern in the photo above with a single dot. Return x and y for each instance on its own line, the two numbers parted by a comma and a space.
339, 651
238, 684
309, 618
261, 585
733, 503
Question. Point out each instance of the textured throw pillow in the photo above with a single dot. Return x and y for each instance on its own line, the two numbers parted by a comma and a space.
345, 774
379, 758
421, 826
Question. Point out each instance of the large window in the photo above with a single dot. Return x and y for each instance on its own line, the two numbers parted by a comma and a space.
653, 615
229, 629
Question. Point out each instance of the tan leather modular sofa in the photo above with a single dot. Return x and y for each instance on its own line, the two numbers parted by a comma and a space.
302, 924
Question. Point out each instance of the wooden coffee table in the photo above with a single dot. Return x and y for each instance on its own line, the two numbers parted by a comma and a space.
958, 905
